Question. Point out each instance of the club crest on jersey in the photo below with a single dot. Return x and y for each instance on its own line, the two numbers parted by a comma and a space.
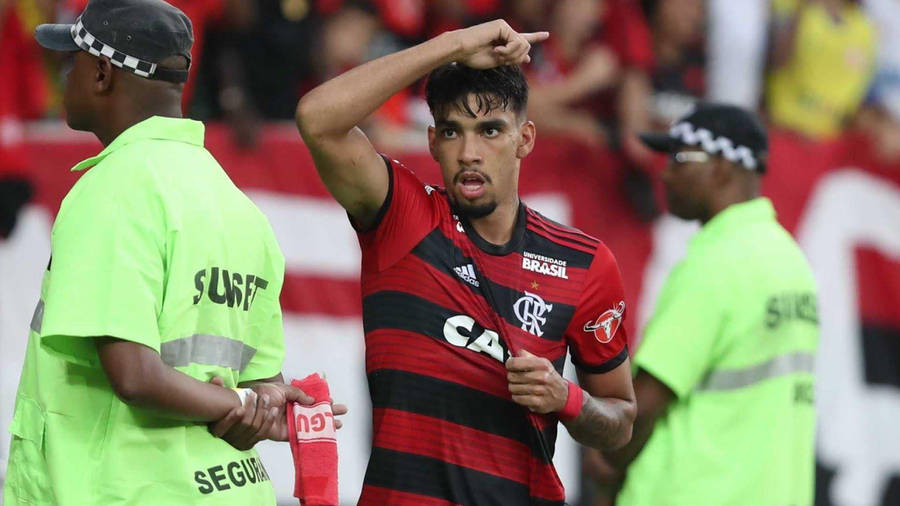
530, 310
467, 274
544, 265
606, 325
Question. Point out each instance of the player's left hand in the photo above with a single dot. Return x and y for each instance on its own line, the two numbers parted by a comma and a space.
535, 384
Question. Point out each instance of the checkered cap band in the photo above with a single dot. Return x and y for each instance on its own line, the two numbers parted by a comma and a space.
686, 133
89, 43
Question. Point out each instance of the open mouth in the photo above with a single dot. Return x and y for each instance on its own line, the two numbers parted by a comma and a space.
471, 184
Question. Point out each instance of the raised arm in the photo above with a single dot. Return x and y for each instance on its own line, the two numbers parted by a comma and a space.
327, 116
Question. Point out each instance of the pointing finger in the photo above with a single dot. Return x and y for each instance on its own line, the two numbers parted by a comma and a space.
536, 36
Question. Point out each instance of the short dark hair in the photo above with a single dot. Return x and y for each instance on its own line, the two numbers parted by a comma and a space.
501, 87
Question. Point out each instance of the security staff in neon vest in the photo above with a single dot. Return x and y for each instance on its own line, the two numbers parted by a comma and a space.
724, 373
161, 297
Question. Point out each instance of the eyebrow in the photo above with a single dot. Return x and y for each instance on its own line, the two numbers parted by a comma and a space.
492, 123
489, 123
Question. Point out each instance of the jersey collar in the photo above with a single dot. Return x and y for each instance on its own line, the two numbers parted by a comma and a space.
734, 217
514, 243
155, 127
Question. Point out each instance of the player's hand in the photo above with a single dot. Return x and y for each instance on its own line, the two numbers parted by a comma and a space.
493, 44
535, 384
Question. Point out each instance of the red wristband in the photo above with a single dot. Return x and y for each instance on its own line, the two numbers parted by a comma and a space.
573, 403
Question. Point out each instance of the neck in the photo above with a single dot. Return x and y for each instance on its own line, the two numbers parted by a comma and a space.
727, 199
118, 123
497, 227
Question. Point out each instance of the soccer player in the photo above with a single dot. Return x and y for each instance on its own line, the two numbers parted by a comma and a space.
164, 280
725, 370
470, 298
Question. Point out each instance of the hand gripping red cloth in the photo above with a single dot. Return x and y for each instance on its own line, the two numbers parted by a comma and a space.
313, 444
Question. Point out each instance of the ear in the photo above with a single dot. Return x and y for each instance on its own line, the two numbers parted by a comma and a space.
103, 76
527, 134
431, 148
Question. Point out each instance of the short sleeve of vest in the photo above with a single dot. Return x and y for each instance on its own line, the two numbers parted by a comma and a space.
107, 269
597, 334
680, 339
268, 330
409, 213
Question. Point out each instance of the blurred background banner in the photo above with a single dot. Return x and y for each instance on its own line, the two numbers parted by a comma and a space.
824, 75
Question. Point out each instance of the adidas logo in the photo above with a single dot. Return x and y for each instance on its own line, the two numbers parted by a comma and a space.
467, 274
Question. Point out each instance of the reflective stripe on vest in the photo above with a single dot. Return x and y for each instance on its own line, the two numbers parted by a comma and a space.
207, 350
37, 319
733, 379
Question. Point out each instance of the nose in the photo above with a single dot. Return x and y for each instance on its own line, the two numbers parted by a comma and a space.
469, 152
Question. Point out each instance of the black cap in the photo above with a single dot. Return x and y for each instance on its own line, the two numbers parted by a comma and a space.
134, 34
719, 129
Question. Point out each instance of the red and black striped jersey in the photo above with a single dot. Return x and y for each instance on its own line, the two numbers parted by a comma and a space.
442, 310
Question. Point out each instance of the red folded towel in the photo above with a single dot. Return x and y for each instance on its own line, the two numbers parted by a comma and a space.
314, 445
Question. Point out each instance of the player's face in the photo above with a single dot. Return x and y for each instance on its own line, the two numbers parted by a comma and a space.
76, 95
688, 180
479, 157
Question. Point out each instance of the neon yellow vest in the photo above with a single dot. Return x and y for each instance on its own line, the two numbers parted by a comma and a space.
155, 245
734, 336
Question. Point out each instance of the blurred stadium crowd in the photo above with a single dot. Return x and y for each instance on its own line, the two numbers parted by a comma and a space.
610, 69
